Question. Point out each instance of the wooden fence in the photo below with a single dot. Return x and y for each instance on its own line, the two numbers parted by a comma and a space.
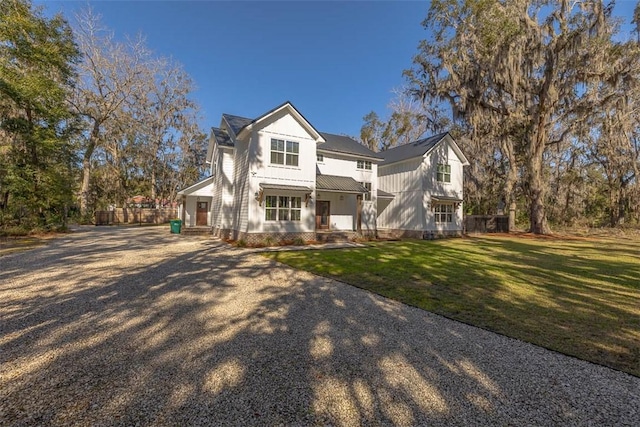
486, 224
135, 216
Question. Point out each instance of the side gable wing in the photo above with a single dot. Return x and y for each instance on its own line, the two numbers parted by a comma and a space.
456, 149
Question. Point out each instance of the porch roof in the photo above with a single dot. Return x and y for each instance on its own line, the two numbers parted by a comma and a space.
339, 184
194, 187
285, 187
446, 199
385, 195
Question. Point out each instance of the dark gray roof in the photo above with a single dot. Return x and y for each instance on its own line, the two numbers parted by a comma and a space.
344, 144
413, 149
339, 184
222, 137
335, 143
236, 122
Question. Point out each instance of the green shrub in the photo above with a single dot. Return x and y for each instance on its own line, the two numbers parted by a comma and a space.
269, 241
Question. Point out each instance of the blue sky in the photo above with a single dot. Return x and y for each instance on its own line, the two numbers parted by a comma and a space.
334, 60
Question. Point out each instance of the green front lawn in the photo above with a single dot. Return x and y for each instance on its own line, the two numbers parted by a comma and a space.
577, 296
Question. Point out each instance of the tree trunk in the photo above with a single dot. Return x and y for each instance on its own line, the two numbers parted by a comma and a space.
86, 168
537, 188
153, 185
512, 217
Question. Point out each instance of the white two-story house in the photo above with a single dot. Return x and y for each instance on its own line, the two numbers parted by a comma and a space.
276, 176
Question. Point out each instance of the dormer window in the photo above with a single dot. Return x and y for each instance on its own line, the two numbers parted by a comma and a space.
320, 158
364, 164
284, 152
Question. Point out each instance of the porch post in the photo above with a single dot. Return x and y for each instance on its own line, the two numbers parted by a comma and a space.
359, 213
184, 207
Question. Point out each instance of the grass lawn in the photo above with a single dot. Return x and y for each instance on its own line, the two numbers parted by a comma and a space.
577, 296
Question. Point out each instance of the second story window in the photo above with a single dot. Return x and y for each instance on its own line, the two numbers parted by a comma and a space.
284, 152
444, 173
364, 164
367, 185
319, 158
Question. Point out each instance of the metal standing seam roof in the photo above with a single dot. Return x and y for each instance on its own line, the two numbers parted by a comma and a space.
413, 149
446, 198
339, 184
385, 195
270, 186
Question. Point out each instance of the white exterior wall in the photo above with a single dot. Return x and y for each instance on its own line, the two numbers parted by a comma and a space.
403, 179
287, 128
191, 205
442, 154
238, 208
222, 188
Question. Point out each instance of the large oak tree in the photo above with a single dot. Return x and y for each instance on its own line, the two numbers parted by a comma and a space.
521, 75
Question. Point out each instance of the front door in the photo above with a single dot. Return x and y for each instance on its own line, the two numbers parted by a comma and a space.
201, 213
322, 215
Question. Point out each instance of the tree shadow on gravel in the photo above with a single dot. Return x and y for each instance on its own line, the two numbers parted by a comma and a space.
190, 332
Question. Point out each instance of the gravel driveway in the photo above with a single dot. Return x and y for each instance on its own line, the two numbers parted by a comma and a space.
135, 326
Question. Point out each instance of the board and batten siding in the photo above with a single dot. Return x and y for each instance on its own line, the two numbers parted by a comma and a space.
287, 128
402, 179
442, 154
414, 182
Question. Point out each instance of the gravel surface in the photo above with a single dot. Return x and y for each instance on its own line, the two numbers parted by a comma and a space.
135, 326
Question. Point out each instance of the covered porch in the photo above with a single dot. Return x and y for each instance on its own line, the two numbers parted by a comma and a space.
339, 206
195, 205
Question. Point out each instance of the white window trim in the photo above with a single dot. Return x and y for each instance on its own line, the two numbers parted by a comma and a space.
367, 196
443, 210
284, 152
277, 208
364, 167
445, 173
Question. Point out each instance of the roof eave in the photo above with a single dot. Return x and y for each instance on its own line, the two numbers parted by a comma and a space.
344, 153
293, 111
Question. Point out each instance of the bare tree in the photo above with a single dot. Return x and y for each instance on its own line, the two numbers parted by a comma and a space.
110, 74
168, 117
410, 120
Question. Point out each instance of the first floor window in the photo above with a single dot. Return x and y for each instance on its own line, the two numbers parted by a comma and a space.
444, 173
282, 208
271, 208
367, 185
444, 212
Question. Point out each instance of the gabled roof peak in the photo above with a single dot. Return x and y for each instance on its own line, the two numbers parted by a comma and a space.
418, 148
